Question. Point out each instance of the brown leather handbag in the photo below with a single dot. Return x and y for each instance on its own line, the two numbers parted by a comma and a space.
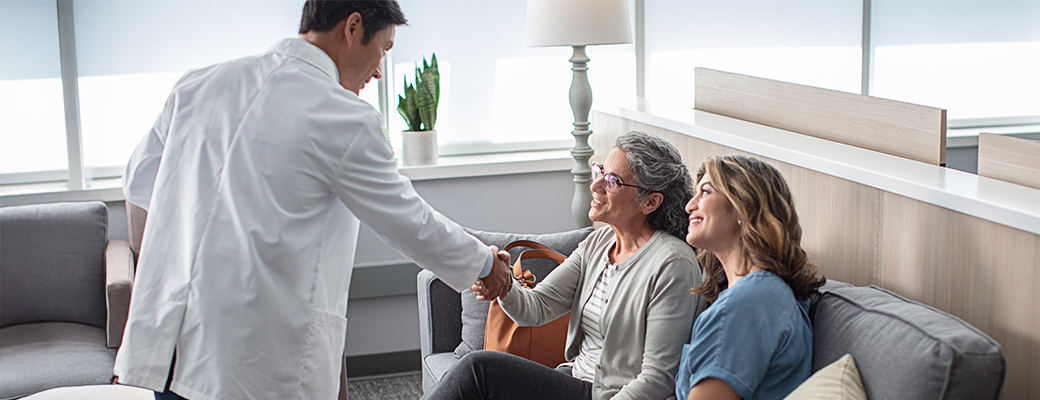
542, 344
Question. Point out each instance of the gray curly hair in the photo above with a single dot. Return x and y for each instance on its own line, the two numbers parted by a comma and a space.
657, 166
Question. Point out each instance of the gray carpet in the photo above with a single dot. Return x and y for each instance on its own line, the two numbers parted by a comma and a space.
401, 387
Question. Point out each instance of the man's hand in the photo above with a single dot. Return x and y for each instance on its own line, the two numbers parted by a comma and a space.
497, 282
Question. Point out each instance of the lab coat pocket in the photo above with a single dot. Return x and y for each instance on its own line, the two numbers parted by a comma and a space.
322, 365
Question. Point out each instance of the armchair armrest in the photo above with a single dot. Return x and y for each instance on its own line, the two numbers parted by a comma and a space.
440, 315
119, 278
135, 219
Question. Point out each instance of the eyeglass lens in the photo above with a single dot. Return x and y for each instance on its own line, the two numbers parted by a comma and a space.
610, 182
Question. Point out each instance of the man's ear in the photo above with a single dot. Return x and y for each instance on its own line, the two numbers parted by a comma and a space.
352, 26
651, 202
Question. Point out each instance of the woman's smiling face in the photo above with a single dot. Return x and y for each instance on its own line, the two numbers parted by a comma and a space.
619, 206
713, 219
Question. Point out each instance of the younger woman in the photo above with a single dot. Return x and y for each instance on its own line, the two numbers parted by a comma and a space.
755, 340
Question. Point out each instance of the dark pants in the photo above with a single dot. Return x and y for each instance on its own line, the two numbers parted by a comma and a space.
494, 375
167, 394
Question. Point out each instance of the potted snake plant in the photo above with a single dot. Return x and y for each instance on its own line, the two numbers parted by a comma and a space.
418, 107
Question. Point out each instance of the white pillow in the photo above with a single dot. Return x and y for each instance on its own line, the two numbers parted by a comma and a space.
838, 381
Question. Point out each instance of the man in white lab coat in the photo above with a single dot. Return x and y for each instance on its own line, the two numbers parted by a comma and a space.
256, 176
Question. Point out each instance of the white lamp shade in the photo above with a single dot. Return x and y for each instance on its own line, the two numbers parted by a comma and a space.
577, 22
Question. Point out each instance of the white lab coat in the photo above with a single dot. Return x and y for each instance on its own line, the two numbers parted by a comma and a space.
256, 176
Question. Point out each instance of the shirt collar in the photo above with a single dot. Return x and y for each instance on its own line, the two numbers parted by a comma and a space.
309, 53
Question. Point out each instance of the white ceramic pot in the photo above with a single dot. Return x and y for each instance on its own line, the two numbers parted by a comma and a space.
419, 147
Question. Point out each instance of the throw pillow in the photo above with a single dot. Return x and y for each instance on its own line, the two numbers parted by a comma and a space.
474, 312
837, 381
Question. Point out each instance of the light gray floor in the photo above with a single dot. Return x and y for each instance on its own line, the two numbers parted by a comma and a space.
402, 387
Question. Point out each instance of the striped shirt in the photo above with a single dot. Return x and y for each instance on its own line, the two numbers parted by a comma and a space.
584, 366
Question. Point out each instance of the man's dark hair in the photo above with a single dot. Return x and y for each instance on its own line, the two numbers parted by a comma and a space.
323, 15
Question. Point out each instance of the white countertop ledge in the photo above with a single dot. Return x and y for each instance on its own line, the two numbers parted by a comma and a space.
993, 200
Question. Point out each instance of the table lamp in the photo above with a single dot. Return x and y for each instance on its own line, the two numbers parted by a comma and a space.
579, 23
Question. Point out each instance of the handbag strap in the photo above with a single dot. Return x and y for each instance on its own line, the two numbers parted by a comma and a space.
526, 243
537, 250
543, 253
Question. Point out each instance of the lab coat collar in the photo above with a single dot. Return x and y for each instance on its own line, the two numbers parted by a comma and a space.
309, 53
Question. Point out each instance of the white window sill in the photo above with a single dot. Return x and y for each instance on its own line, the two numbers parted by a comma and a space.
491, 164
447, 167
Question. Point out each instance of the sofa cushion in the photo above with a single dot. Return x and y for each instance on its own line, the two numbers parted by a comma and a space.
474, 312
41, 356
52, 267
838, 381
904, 349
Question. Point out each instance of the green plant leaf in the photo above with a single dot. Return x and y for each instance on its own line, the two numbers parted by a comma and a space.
436, 77
407, 108
431, 85
419, 104
422, 101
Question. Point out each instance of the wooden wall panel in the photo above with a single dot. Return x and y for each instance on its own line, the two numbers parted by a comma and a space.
839, 223
982, 272
892, 127
1010, 159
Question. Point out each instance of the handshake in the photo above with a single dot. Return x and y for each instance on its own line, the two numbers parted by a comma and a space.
497, 282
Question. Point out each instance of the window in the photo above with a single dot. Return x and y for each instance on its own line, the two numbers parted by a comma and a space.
495, 89
128, 60
976, 59
32, 114
810, 42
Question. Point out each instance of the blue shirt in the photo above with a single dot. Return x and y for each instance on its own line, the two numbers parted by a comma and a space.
756, 337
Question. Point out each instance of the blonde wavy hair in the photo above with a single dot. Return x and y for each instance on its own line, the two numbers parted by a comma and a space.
770, 234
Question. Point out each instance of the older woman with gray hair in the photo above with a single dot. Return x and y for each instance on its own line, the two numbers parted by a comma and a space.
627, 288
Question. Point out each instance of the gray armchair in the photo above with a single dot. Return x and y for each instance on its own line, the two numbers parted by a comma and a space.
64, 297
452, 324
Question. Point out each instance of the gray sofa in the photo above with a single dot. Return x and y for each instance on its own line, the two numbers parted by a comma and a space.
64, 297
903, 349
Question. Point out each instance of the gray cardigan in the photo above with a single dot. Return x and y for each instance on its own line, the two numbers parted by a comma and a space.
647, 319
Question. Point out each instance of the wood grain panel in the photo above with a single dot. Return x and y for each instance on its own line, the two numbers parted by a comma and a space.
1010, 159
983, 272
839, 221
892, 127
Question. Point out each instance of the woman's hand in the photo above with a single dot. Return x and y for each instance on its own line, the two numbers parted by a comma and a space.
497, 282
479, 290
